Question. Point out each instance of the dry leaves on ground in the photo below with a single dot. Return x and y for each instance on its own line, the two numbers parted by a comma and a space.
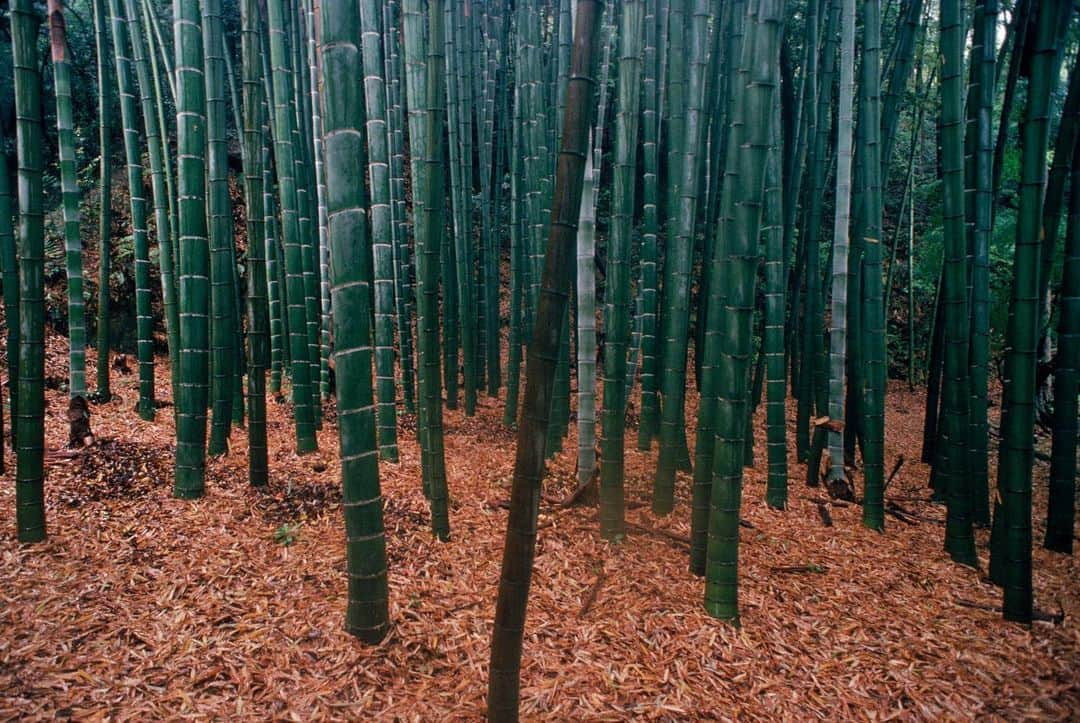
140, 606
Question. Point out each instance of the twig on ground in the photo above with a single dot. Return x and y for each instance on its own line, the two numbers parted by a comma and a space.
895, 469
800, 569
673, 536
1040, 615
590, 597
826, 516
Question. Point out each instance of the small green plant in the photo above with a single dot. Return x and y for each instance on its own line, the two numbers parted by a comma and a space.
287, 534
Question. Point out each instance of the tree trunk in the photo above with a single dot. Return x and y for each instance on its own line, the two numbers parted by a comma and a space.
520, 545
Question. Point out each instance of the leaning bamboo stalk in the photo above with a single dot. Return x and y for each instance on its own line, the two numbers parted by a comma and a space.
519, 550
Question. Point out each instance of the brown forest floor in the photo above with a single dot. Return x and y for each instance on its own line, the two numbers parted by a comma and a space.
140, 606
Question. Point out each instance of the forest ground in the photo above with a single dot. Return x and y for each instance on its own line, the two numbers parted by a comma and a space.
140, 606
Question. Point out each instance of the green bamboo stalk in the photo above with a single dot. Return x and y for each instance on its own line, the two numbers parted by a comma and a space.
477, 69
908, 193
1061, 505
193, 253
450, 293
69, 186
750, 141
257, 307
650, 191
680, 251
239, 301
1010, 552
1067, 136
461, 194
712, 335
469, 119
381, 222
911, 285
795, 173
729, 38
152, 52
285, 147
518, 239
1016, 38
560, 400
491, 195
449, 253
323, 252
519, 549
299, 101
219, 219
952, 448
1053, 204
154, 131
162, 46
275, 252
403, 287
772, 233
9, 273
274, 287
617, 293
537, 162
757, 386
812, 388
807, 126
903, 57
934, 359
414, 51
143, 313
675, 85
428, 219
367, 615
560, 403
873, 332
982, 98
234, 97
841, 269
30, 427
104, 317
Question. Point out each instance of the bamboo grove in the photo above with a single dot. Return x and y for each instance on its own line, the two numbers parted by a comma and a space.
583, 212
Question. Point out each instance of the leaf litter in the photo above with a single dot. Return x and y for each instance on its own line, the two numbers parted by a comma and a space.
139, 606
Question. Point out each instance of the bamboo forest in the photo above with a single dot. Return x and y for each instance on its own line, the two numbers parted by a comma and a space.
560, 360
